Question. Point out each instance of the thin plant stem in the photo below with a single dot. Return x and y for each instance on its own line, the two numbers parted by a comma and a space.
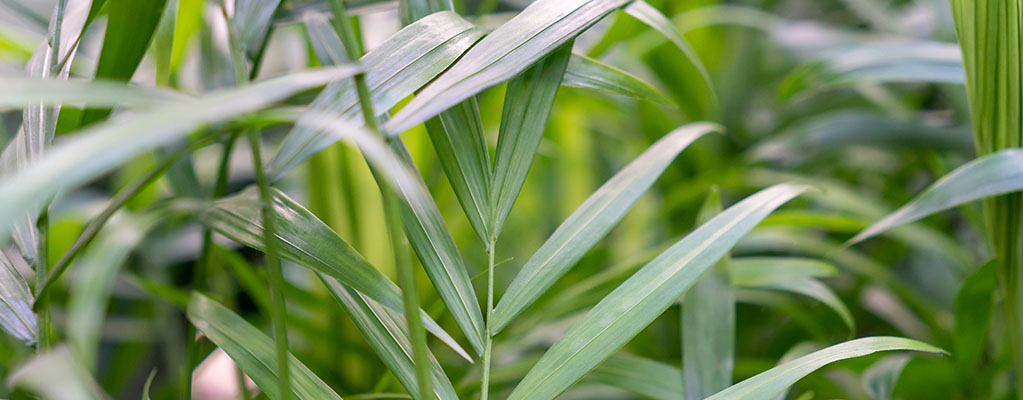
92, 229
273, 266
488, 348
403, 261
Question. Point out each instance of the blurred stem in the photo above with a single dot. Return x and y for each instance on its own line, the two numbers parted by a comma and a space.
487, 7
42, 300
488, 349
203, 263
273, 266
92, 229
392, 211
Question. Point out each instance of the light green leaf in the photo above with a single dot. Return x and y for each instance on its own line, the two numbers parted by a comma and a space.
432, 242
16, 316
309, 242
587, 73
527, 105
708, 322
778, 379
24, 91
816, 290
879, 379
644, 376
40, 373
645, 295
540, 29
653, 17
990, 175
397, 68
755, 271
252, 21
878, 62
591, 221
253, 351
387, 332
96, 272
974, 304
103, 147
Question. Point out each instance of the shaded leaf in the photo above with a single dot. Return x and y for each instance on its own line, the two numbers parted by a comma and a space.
879, 379
587, 73
990, 175
645, 295
309, 242
253, 351
16, 316
527, 105
591, 221
644, 376
59, 365
778, 379
973, 307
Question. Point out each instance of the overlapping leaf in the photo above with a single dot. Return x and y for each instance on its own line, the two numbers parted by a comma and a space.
397, 68
103, 147
537, 31
778, 379
587, 73
253, 351
645, 295
591, 221
16, 315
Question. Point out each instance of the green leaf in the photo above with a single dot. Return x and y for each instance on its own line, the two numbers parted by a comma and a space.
540, 29
457, 137
775, 380
130, 28
587, 73
22, 92
252, 20
591, 221
99, 149
879, 379
397, 68
96, 273
309, 242
645, 295
878, 62
432, 242
755, 271
990, 175
644, 376
708, 322
253, 351
40, 373
973, 307
16, 316
527, 105
653, 17
816, 290
387, 332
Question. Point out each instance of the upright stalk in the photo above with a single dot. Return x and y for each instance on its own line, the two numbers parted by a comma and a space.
273, 266
392, 211
488, 347
43, 320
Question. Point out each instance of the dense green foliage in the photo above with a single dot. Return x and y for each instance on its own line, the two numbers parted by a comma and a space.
571, 199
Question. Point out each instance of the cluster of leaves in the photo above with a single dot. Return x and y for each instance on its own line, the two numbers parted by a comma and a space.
141, 243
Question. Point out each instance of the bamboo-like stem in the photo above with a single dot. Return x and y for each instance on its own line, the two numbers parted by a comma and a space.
488, 348
43, 320
392, 211
273, 266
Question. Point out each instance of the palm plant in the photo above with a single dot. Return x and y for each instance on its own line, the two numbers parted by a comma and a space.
353, 122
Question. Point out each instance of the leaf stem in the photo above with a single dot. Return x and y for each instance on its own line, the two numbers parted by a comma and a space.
392, 211
488, 348
273, 266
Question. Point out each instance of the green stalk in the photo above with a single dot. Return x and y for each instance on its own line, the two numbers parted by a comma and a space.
991, 36
488, 348
392, 211
92, 229
278, 308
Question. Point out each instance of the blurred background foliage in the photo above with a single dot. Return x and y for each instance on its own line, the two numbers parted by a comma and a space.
863, 99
